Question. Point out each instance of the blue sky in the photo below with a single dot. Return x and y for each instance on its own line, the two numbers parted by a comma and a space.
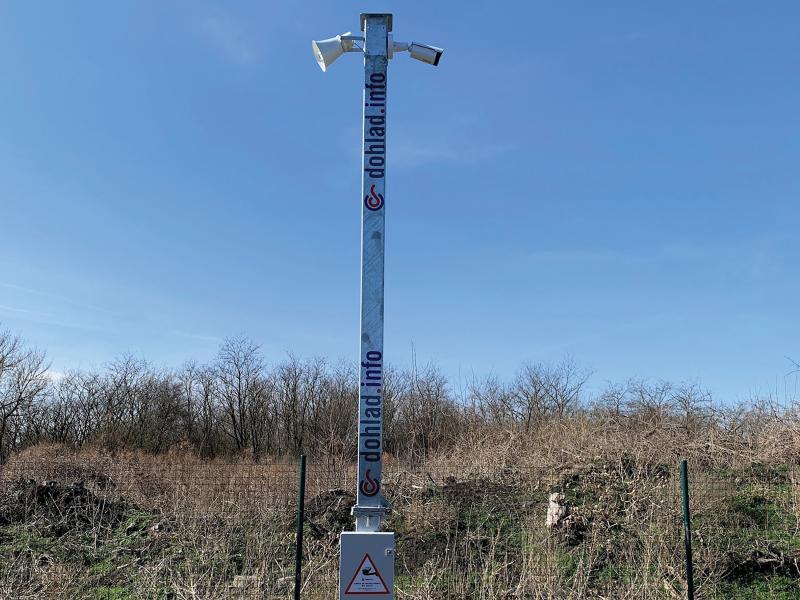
613, 181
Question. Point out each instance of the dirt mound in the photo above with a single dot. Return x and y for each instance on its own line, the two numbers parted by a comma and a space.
612, 497
328, 514
58, 508
473, 514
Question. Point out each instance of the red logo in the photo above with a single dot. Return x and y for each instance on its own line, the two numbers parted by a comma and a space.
369, 486
373, 200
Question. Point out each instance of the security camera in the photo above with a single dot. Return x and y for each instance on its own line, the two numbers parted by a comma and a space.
327, 51
425, 53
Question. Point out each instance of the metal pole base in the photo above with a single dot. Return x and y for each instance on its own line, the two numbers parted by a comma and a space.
369, 518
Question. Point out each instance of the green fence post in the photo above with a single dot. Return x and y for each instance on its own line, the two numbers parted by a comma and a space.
298, 557
687, 530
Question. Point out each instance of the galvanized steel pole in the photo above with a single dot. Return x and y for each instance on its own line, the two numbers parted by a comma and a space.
366, 565
371, 506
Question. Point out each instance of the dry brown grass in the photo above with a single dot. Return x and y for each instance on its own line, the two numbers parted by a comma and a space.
469, 521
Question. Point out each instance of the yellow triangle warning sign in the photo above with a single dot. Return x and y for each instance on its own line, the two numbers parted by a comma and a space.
367, 579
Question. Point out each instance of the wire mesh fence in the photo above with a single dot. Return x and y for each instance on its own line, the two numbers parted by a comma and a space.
94, 526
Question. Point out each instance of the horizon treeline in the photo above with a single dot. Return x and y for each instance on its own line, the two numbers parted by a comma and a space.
237, 404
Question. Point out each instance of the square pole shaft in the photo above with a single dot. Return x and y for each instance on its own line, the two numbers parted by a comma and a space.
370, 505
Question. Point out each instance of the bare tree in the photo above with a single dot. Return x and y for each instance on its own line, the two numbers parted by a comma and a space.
334, 422
189, 382
527, 401
424, 413
650, 403
300, 388
563, 385
612, 402
208, 419
489, 401
694, 406
23, 379
239, 371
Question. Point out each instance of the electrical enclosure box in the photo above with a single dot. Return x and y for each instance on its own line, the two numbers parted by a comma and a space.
366, 565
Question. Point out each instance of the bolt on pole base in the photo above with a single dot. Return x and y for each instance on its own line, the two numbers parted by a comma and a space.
369, 518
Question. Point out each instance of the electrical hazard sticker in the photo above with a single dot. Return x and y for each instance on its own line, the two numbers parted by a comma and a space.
367, 580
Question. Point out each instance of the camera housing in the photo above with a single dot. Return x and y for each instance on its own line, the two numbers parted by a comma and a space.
327, 51
425, 53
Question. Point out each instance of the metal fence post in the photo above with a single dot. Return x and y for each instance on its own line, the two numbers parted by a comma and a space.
298, 557
687, 530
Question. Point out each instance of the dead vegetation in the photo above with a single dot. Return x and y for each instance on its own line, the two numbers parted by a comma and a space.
139, 483
89, 524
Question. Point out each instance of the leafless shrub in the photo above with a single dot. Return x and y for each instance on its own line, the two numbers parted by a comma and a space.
22, 381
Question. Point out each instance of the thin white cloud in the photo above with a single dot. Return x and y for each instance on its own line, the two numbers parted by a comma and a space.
55, 376
642, 323
756, 251
58, 297
587, 255
63, 315
228, 36
196, 336
22, 311
459, 141
48, 319
415, 153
